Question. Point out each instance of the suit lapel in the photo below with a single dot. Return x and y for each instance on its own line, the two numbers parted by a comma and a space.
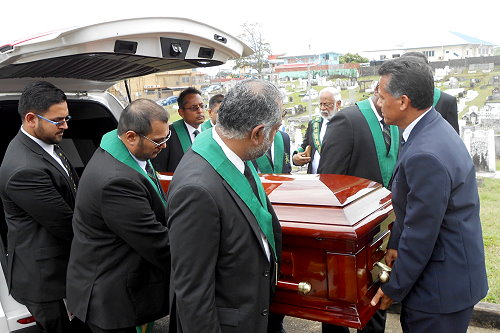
427, 119
35, 148
248, 215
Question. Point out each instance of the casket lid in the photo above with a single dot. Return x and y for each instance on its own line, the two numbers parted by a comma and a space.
325, 199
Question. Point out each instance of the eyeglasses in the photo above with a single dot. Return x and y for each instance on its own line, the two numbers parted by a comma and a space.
157, 144
283, 114
57, 123
195, 107
326, 105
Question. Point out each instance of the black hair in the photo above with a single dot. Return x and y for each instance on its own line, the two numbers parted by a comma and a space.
214, 100
139, 114
412, 77
39, 96
184, 93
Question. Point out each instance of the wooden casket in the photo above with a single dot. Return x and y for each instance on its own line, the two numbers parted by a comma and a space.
335, 230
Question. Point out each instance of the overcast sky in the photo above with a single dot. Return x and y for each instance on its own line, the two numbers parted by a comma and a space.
289, 26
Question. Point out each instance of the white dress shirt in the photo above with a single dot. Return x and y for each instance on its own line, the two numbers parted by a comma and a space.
409, 128
49, 148
191, 129
317, 156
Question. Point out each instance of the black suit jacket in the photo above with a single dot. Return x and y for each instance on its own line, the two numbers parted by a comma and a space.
440, 265
222, 278
308, 141
118, 272
38, 201
447, 107
168, 159
348, 147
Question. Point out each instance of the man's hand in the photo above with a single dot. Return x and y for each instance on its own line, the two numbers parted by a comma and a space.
300, 159
390, 256
385, 301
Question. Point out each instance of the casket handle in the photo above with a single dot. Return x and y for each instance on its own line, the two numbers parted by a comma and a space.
303, 288
384, 274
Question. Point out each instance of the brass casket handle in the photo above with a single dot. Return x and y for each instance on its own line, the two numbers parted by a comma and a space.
384, 273
303, 288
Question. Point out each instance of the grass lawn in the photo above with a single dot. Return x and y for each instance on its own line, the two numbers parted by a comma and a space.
489, 193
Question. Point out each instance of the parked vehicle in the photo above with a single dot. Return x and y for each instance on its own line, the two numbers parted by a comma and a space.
167, 101
84, 62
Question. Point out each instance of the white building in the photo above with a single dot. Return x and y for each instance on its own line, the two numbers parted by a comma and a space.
437, 47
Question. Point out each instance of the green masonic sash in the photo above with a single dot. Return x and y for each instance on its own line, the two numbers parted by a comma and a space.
316, 128
437, 96
182, 134
114, 146
264, 163
210, 150
206, 125
386, 160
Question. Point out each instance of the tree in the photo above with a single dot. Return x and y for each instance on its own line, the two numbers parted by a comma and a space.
252, 35
349, 58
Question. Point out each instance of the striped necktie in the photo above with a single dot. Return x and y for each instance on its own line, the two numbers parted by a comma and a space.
72, 176
386, 132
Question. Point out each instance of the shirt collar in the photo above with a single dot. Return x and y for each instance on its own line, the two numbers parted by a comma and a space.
235, 159
407, 131
190, 128
49, 148
141, 163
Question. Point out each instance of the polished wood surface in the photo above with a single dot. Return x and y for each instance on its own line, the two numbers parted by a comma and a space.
334, 230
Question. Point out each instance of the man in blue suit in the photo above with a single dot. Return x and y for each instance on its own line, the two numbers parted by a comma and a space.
436, 247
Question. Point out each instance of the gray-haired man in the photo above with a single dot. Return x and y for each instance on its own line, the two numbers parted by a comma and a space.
225, 237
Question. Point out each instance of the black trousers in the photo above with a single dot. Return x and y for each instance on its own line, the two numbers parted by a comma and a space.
52, 317
96, 329
413, 321
375, 325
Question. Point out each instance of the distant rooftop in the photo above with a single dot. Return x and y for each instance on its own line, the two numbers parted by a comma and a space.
447, 38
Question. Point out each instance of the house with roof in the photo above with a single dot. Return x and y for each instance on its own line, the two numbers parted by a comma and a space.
439, 46
298, 66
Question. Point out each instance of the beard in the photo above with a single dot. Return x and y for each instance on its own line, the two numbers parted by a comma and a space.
256, 152
48, 137
329, 115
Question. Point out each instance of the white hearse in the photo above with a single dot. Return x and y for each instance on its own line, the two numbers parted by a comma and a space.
84, 62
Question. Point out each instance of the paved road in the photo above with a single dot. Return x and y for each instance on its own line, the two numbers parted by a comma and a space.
296, 325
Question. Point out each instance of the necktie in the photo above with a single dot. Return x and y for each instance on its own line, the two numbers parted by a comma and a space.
152, 174
386, 131
195, 133
67, 166
251, 180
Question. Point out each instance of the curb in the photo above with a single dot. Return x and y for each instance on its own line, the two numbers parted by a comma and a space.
486, 315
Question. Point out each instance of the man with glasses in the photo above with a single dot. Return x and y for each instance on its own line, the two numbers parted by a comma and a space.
184, 131
330, 102
225, 237
119, 268
38, 187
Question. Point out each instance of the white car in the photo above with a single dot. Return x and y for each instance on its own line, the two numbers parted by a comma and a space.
84, 62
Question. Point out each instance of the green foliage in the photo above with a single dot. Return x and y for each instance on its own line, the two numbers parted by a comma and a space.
489, 194
349, 58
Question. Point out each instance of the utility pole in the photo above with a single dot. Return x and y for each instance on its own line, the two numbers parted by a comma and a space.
309, 102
